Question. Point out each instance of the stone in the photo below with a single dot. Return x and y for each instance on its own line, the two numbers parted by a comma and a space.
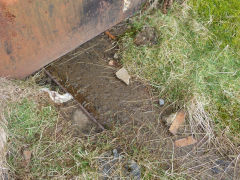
115, 56
177, 122
161, 102
135, 170
123, 75
185, 141
80, 122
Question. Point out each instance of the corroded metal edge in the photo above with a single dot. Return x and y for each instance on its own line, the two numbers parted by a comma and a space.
34, 33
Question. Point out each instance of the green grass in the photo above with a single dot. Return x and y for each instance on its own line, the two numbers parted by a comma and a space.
222, 17
188, 64
32, 128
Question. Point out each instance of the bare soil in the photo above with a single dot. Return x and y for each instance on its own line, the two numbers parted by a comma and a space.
86, 74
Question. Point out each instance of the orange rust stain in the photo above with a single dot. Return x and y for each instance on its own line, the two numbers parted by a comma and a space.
7, 30
3, 23
5, 14
14, 34
9, 16
8, 2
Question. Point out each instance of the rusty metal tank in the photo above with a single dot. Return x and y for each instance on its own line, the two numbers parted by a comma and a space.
34, 33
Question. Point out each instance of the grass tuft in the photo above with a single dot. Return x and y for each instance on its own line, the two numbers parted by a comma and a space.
54, 155
222, 17
188, 66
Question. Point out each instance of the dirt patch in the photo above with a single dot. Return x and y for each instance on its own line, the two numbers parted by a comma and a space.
87, 75
79, 125
148, 36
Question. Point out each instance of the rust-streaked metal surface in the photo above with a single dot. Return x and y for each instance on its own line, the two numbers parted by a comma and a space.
33, 33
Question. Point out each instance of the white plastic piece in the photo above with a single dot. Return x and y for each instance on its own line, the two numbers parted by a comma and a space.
56, 97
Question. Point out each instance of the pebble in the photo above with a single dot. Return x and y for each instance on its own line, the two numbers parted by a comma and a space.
135, 170
161, 102
110, 162
115, 154
115, 56
221, 166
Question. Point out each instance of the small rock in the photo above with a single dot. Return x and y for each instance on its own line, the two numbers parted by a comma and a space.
115, 56
109, 161
185, 141
80, 122
27, 155
161, 102
177, 122
115, 154
135, 170
220, 166
223, 163
168, 120
123, 75
107, 169
216, 170
111, 63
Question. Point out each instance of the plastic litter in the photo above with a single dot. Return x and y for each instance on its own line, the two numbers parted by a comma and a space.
56, 97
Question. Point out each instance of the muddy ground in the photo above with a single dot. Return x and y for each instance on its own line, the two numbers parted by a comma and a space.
87, 75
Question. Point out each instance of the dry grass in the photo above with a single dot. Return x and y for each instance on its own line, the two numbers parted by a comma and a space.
56, 154
188, 67
35, 125
10, 92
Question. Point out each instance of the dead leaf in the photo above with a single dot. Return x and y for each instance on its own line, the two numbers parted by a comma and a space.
185, 141
110, 35
177, 122
123, 75
27, 156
